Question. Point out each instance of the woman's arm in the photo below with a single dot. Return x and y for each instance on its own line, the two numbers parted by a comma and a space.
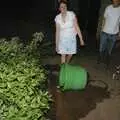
77, 28
57, 34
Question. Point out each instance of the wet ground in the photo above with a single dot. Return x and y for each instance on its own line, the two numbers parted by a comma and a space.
98, 101
72, 105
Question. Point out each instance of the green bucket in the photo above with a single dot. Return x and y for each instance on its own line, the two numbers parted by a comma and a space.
72, 77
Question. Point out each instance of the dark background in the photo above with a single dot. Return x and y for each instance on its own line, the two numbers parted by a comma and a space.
14, 14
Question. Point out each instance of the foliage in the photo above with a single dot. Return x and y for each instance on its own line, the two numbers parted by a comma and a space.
22, 96
40, 47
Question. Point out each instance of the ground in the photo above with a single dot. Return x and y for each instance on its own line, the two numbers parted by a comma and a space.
95, 102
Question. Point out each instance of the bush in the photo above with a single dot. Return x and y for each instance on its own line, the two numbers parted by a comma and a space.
22, 96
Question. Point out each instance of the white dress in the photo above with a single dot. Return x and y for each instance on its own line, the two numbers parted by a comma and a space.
67, 40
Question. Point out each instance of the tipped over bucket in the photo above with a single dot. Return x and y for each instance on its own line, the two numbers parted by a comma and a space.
72, 77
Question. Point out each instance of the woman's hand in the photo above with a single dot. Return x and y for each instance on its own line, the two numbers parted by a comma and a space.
82, 43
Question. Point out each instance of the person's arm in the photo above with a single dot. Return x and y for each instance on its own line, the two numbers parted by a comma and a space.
57, 34
77, 28
101, 23
104, 16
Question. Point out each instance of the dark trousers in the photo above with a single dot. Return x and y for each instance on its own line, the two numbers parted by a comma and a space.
107, 42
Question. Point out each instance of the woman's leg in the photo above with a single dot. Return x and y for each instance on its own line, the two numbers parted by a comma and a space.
68, 58
63, 58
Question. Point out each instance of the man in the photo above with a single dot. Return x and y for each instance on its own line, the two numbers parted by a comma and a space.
110, 31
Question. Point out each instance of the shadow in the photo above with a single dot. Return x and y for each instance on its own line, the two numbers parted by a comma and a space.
73, 105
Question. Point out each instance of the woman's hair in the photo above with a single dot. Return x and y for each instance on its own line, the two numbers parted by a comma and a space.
64, 2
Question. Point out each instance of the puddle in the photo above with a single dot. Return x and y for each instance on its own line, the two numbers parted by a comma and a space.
73, 105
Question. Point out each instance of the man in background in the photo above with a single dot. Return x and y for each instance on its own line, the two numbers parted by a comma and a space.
110, 31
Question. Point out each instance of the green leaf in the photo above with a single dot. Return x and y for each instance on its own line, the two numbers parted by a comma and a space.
21, 78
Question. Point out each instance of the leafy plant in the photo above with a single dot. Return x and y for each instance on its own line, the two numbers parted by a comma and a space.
22, 95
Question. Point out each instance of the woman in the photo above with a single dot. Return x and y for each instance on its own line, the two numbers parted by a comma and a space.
66, 30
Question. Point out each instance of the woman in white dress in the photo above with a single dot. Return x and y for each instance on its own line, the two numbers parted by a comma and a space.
66, 30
